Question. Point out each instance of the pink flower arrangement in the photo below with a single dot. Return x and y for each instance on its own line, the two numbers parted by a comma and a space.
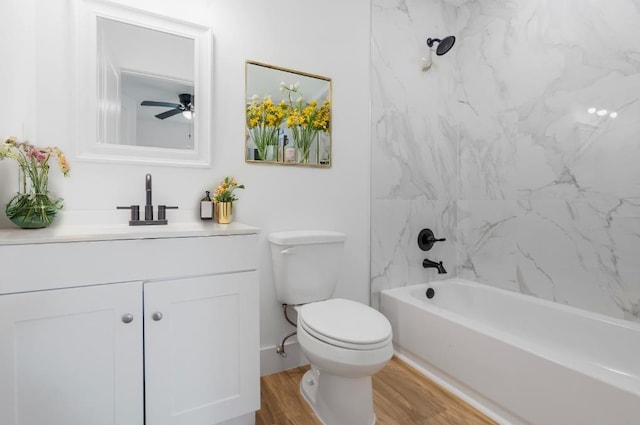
33, 206
28, 155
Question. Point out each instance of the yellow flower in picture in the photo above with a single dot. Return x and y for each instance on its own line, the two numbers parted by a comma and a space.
306, 120
263, 121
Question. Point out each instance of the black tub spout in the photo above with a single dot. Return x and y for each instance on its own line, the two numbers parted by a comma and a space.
428, 264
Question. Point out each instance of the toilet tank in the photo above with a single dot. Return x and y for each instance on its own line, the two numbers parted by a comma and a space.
306, 264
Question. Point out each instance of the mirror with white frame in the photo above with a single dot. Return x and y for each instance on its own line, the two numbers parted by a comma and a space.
288, 116
151, 76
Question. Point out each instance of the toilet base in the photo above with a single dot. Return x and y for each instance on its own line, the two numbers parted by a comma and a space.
337, 400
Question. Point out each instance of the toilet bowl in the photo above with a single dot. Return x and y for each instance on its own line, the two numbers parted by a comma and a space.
345, 341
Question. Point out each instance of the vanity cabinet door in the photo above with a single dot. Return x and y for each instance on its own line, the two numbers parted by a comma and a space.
72, 356
201, 349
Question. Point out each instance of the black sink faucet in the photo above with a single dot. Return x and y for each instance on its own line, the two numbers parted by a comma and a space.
428, 263
148, 207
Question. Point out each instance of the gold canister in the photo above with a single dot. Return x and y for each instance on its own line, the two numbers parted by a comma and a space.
224, 212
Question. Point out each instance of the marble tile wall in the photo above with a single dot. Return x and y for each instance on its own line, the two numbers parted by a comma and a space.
496, 147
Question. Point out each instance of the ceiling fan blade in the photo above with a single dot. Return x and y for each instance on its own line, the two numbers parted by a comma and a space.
164, 104
169, 113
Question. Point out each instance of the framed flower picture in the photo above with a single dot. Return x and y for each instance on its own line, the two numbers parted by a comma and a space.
288, 116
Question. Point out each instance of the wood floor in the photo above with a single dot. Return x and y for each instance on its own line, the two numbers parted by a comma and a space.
401, 396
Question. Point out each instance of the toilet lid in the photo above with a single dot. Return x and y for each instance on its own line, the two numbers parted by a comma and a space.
345, 323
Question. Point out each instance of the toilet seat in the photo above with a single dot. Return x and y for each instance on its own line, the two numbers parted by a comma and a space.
347, 324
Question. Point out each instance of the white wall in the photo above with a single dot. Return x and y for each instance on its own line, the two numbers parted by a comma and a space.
36, 84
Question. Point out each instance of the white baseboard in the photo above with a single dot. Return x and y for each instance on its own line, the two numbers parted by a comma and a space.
272, 362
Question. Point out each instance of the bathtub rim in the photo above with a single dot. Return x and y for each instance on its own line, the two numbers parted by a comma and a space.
529, 298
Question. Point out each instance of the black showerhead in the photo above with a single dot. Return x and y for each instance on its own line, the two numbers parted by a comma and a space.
444, 45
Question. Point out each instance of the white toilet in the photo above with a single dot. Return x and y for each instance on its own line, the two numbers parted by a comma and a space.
346, 342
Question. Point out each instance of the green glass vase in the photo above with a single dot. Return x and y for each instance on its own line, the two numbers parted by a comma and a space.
33, 207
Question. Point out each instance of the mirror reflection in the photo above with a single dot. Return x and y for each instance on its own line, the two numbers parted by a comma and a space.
156, 112
145, 86
288, 116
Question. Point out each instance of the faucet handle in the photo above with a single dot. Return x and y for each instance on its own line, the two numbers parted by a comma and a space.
426, 239
162, 211
135, 211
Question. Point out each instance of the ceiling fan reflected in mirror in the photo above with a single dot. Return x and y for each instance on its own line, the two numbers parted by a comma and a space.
186, 107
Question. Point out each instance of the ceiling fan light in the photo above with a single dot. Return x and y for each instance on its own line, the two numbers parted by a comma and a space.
187, 114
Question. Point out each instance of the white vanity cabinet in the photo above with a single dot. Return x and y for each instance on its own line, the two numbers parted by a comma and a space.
92, 337
67, 358
200, 349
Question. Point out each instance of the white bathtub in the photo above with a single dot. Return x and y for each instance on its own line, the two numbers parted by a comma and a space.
520, 359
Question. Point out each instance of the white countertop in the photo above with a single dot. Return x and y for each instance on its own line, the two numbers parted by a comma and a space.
83, 233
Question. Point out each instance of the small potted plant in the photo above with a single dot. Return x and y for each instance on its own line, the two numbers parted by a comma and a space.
223, 198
